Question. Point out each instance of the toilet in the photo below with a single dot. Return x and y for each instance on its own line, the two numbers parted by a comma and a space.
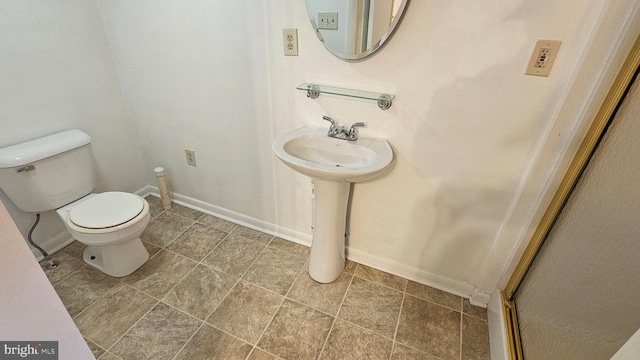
56, 172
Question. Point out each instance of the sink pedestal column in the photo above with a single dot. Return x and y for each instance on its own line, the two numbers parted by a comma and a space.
327, 259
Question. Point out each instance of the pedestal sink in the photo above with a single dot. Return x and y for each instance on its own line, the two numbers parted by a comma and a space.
333, 164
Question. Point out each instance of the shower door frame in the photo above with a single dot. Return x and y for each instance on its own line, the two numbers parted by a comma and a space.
588, 146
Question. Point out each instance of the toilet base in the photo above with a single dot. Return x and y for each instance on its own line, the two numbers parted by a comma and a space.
117, 260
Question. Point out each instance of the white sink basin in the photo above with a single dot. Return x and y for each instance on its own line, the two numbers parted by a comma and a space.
311, 152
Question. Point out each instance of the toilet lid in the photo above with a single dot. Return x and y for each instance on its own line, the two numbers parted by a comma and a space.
106, 210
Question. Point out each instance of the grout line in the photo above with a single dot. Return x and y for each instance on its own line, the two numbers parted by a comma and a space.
284, 298
239, 278
395, 333
377, 283
71, 273
223, 298
191, 337
88, 306
461, 324
335, 318
270, 321
435, 303
286, 295
132, 326
256, 347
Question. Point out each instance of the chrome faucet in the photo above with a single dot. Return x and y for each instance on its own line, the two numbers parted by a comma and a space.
353, 131
342, 132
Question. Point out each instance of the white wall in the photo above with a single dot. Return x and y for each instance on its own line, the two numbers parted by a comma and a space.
57, 74
467, 125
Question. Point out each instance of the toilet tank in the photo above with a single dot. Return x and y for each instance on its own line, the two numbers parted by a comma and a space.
49, 172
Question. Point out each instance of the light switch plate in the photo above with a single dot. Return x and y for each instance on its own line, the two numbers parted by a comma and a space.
328, 20
542, 58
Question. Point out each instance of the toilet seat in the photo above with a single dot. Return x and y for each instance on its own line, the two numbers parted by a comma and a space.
106, 210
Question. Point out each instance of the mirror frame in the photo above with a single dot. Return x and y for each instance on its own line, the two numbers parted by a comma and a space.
376, 46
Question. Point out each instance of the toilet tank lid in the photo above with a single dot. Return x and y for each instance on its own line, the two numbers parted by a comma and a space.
41, 148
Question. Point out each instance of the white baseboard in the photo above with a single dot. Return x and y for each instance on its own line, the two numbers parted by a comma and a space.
241, 219
390, 266
53, 245
497, 330
420, 276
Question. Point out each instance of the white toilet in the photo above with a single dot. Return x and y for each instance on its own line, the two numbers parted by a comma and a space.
56, 172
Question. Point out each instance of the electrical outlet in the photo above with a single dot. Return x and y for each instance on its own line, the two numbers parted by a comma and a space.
290, 39
542, 58
191, 157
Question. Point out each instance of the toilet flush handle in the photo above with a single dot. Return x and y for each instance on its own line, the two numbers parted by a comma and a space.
26, 169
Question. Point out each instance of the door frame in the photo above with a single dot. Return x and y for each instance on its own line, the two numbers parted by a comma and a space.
587, 147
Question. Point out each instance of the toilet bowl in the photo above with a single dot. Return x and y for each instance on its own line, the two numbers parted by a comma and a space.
110, 224
56, 172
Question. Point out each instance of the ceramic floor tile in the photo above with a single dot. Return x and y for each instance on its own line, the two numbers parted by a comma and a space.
68, 266
165, 228
401, 352
429, 322
290, 247
75, 250
185, 212
96, 350
246, 311
251, 234
82, 288
154, 201
381, 277
160, 273
108, 356
296, 332
258, 354
211, 344
159, 335
275, 270
480, 313
152, 249
154, 212
107, 319
197, 242
475, 339
215, 222
372, 306
430, 328
434, 295
323, 297
347, 341
200, 292
233, 255
350, 267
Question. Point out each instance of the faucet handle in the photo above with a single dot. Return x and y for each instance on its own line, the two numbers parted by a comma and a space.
333, 122
353, 131
333, 127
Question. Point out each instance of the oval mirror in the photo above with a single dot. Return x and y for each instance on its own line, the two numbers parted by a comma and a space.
354, 29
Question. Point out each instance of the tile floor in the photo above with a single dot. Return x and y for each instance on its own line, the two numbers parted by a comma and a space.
216, 290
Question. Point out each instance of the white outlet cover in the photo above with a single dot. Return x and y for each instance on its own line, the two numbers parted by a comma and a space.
542, 57
290, 42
